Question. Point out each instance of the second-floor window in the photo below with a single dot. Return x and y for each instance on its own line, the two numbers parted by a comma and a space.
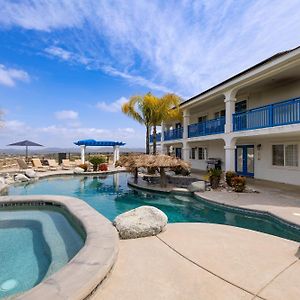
241, 106
202, 119
178, 125
220, 114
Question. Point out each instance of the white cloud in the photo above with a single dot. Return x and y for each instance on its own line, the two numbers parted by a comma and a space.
183, 46
66, 115
9, 76
112, 107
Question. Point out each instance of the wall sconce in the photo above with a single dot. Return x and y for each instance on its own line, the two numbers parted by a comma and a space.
258, 147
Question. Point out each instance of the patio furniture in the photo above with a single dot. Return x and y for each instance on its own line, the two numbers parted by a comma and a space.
67, 164
22, 164
38, 165
53, 165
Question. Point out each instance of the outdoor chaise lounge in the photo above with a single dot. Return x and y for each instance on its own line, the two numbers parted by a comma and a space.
67, 164
22, 164
38, 165
53, 165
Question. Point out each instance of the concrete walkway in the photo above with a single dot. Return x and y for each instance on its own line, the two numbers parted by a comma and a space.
204, 261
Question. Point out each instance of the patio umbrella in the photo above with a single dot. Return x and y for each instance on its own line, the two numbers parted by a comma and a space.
26, 144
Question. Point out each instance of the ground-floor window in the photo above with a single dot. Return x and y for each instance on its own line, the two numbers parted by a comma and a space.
202, 153
193, 153
285, 155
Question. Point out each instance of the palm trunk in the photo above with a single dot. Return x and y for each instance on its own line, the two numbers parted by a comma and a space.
147, 139
163, 178
154, 139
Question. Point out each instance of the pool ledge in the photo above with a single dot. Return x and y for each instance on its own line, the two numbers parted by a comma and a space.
90, 266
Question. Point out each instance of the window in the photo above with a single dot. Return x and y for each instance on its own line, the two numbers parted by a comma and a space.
220, 114
202, 119
202, 153
193, 153
178, 125
285, 155
241, 106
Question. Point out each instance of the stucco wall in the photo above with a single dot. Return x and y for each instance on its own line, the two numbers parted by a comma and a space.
263, 168
215, 149
270, 95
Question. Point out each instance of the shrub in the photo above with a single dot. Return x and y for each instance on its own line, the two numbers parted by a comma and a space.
84, 167
214, 177
96, 161
228, 176
103, 167
238, 184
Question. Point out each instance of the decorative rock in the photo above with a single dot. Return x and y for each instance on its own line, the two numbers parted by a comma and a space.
21, 178
140, 222
2, 180
78, 170
197, 186
30, 173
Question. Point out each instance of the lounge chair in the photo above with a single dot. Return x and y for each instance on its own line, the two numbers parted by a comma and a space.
53, 165
67, 164
22, 164
38, 165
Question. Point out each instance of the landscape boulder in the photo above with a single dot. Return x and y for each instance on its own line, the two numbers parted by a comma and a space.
197, 186
21, 178
140, 222
78, 170
30, 173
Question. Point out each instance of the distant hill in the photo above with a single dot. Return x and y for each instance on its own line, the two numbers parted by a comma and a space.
21, 150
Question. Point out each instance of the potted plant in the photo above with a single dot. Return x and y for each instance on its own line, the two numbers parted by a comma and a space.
214, 177
103, 167
96, 161
228, 177
239, 184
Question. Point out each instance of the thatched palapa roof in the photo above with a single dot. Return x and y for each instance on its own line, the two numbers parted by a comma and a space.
152, 161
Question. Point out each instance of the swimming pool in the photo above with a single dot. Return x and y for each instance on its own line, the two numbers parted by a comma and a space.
35, 243
111, 196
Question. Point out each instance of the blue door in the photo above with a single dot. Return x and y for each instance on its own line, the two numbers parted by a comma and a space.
244, 160
178, 152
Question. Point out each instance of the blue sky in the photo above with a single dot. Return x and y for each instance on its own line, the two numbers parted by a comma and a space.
66, 66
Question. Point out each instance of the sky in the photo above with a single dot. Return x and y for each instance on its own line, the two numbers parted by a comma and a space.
66, 66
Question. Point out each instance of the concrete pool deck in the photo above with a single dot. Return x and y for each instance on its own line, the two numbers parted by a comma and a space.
204, 261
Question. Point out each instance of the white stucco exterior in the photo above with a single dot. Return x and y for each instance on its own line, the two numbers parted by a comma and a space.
271, 82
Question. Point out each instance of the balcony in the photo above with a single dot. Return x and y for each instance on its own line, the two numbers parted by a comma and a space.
276, 114
158, 137
209, 127
174, 134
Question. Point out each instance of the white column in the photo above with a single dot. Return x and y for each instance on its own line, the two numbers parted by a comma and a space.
186, 123
162, 131
116, 153
185, 151
82, 155
229, 109
230, 155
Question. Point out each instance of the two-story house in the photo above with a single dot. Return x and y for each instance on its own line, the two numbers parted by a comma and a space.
250, 121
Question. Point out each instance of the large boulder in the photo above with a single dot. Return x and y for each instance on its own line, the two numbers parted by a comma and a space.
78, 170
30, 173
197, 186
140, 222
21, 178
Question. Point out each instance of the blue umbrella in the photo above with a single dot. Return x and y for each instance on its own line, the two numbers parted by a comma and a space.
26, 144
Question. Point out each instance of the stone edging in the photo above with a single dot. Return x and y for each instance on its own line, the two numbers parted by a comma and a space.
210, 201
90, 266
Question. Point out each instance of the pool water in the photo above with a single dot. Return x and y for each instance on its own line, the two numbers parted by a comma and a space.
34, 243
111, 196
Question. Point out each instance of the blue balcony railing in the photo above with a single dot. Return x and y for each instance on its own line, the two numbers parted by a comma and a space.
158, 137
174, 134
214, 126
276, 114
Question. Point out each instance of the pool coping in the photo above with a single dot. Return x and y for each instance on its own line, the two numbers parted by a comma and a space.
90, 266
201, 196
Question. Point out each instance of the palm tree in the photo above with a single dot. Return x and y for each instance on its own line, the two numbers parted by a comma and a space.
140, 109
164, 109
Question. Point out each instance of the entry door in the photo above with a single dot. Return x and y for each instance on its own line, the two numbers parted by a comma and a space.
244, 160
178, 152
